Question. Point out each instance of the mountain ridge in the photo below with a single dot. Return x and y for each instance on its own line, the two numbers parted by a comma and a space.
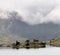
16, 27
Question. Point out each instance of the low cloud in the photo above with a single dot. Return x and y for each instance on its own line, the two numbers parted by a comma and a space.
34, 11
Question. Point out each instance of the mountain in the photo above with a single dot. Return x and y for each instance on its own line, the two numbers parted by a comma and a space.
13, 28
54, 42
40, 31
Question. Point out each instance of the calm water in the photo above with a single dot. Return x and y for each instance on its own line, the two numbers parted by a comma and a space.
48, 46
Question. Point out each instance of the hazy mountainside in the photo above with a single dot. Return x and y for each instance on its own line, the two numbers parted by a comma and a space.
13, 28
5, 24
40, 31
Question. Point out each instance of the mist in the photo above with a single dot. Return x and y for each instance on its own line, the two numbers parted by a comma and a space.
33, 11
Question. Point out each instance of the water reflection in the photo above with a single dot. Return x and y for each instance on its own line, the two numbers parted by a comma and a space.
48, 46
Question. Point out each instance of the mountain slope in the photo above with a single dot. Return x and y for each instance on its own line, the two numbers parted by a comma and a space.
13, 26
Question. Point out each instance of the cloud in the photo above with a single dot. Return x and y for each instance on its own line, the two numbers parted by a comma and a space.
34, 11
53, 16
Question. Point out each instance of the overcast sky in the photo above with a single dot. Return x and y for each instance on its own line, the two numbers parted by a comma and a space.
34, 11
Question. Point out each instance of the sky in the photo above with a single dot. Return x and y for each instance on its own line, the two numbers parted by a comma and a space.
34, 11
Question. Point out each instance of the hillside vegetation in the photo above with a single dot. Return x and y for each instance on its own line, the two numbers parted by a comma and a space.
54, 42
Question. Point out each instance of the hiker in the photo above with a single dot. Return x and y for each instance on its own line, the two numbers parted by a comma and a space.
27, 44
17, 44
